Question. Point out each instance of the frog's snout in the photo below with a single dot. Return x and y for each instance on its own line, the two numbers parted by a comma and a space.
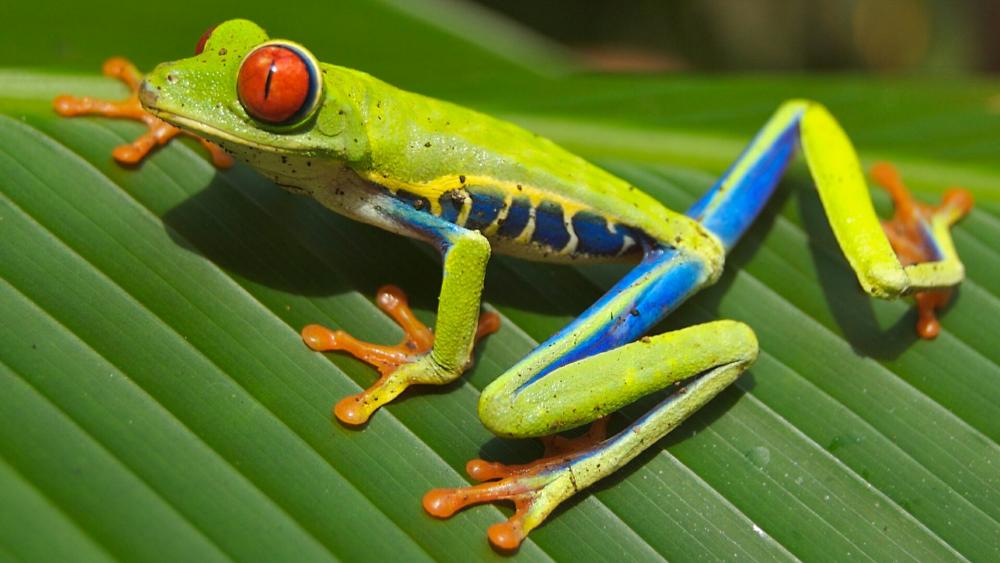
147, 94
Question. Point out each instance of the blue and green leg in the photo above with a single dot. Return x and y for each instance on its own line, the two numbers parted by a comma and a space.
600, 362
423, 357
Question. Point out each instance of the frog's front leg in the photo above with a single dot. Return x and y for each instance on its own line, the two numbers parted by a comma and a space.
569, 381
424, 357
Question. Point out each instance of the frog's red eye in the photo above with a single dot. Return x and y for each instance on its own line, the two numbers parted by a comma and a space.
200, 47
278, 84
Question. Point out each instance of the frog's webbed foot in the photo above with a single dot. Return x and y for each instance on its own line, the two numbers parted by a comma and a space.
160, 132
535, 488
391, 361
911, 235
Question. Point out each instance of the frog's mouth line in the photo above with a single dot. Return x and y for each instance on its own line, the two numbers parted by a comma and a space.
212, 133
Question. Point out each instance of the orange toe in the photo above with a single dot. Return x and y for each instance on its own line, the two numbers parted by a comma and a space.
387, 359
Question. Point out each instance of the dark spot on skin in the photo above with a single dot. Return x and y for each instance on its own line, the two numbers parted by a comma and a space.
520, 187
171, 78
284, 159
355, 140
461, 179
634, 312
309, 163
427, 144
341, 112
222, 51
645, 340
378, 104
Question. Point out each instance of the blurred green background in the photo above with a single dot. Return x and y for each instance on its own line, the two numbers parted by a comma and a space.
937, 36
946, 36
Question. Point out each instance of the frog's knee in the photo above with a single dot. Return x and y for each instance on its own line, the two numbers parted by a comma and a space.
799, 104
738, 338
498, 414
886, 281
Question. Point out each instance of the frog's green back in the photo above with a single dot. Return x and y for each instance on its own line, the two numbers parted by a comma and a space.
428, 149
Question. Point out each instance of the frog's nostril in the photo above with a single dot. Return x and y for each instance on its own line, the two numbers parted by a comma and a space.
147, 94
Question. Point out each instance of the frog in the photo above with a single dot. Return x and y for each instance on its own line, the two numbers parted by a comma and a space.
470, 185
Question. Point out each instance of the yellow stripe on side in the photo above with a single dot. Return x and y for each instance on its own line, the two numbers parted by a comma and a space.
493, 227
434, 189
842, 189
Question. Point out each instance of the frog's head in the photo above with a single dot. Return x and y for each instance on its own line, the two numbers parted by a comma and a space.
247, 91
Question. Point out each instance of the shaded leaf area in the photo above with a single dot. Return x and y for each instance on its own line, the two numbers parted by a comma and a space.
160, 405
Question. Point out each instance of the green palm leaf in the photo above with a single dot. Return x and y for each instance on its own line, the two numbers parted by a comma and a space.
157, 403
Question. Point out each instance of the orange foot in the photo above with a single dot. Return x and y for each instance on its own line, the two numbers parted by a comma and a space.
535, 488
909, 236
160, 132
417, 341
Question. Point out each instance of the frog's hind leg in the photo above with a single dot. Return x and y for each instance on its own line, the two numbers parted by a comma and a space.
696, 362
917, 256
590, 369
160, 132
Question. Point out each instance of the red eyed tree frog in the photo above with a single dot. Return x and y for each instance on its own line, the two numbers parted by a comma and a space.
470, 184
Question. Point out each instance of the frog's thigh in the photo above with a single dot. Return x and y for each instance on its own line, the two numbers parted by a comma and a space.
713, 354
